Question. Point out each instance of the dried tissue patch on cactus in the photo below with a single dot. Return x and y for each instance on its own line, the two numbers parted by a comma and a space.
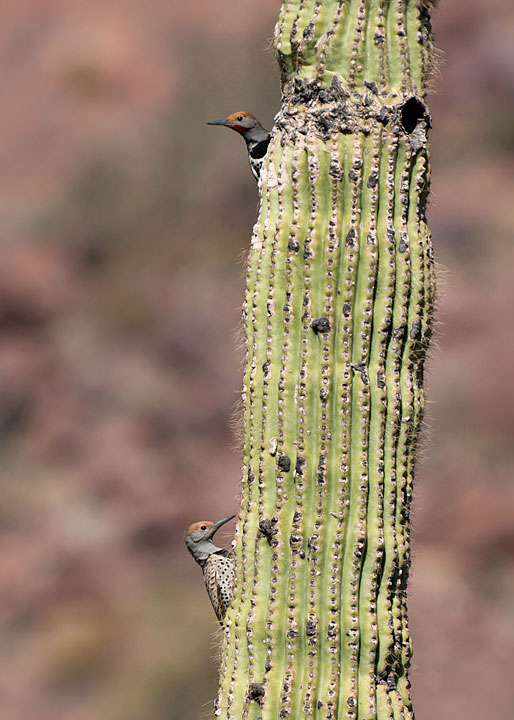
320, 325
256, 691
268, 529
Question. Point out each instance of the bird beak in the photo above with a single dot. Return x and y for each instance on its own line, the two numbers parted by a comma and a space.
209, 535
220, 122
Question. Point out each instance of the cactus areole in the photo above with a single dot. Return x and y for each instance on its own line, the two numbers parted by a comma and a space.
337, 318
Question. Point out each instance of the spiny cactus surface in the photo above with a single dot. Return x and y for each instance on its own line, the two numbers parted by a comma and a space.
337, 318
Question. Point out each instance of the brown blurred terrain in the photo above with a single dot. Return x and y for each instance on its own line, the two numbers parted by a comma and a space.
123, 220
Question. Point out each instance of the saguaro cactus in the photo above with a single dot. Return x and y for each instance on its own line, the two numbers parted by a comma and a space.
337, 319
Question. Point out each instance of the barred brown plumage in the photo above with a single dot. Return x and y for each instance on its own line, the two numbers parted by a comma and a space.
217, 563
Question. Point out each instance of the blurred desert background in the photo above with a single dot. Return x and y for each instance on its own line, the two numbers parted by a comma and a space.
123, 220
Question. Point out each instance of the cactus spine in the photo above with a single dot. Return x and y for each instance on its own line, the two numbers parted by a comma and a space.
337, 316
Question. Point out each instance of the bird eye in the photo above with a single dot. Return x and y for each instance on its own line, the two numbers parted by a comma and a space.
239, 118
204, 527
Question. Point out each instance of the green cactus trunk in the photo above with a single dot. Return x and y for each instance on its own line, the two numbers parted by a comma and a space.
337, 315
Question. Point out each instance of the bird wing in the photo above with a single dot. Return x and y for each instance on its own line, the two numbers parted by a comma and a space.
225, 577
220, 610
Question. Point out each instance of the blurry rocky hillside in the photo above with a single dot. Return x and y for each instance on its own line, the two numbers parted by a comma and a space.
124, 219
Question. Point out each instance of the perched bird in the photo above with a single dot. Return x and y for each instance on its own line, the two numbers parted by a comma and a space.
217, 563
256, 137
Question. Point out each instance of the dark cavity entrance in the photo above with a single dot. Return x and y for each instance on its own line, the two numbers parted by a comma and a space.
412, 112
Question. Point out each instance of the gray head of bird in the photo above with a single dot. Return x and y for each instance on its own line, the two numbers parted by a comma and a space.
245, 124
198, 538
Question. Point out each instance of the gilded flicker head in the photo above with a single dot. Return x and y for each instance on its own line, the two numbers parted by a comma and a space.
245, 124
198, 538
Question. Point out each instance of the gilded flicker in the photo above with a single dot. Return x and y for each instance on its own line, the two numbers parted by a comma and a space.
256, 137
217, 563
